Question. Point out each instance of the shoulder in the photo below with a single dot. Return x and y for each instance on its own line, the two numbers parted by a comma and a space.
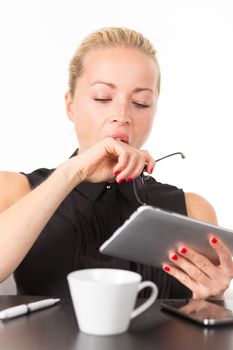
36, 177
12, 187
165, 196
161, 188
199, 208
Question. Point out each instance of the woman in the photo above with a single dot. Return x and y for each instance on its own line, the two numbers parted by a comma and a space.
53, 221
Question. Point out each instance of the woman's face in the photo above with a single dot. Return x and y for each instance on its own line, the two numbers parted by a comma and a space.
115, 96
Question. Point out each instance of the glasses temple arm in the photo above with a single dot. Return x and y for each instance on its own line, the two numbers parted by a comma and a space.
170, 155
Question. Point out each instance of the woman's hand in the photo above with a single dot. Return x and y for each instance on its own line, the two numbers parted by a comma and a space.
198, 274
111, 160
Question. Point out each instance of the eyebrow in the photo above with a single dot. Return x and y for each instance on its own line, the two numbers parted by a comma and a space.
112, 86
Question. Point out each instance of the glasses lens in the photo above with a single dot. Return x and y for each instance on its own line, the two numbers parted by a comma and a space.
140, 189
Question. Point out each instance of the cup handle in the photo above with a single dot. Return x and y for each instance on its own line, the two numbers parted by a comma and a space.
149, 301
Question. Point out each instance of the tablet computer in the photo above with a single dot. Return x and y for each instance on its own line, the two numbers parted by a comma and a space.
148, 235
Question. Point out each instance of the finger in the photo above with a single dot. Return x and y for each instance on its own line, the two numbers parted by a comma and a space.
191, 270
122, 154
126, 158
224, 253
121, 161
200, 261
138, 168
130, 165
199, 291
150, 162
180, 276
210, 286
145, 161
128, 173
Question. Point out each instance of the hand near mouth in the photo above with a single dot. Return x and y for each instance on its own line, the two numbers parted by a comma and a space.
111, 159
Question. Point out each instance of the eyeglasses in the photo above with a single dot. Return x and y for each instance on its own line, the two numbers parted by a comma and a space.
139, 183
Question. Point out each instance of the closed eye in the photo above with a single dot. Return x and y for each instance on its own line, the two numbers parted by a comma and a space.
140, 105
103, 100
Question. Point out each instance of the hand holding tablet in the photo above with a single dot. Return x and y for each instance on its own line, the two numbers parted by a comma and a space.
150, 233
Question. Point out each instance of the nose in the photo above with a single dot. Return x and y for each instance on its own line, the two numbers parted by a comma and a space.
121, 113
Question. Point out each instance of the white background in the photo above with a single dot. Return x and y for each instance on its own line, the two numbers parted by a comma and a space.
194, 40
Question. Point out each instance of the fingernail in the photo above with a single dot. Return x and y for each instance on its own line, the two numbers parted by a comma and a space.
117, 172
174, 257
120, 181
214, 240
150, 171
166, 268
129, 179
183, 250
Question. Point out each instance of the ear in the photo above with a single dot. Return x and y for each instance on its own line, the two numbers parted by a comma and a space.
69, 106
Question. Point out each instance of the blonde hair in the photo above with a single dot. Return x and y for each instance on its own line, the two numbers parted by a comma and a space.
109, 37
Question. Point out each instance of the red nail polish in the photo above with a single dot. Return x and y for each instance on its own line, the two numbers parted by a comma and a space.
117, 172
214, 240
129, 179
183, 250
150, 171
166, 268
174, 257
120, 181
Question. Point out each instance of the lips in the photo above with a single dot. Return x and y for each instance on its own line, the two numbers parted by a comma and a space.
120, 137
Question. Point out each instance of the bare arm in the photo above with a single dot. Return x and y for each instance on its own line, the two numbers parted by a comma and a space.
25, 212
22, 219
198, 208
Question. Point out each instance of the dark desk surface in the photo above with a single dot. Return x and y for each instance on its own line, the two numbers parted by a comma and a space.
56, 328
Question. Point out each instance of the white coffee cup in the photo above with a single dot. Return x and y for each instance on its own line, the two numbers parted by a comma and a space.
104, 299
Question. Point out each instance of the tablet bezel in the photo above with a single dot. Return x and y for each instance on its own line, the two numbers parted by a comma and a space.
150, 233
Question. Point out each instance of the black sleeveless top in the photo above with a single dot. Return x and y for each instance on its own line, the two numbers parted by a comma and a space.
85, 219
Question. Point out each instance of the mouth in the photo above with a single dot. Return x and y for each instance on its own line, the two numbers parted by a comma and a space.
121, 137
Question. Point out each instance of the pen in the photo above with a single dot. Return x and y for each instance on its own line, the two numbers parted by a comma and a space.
24, 309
